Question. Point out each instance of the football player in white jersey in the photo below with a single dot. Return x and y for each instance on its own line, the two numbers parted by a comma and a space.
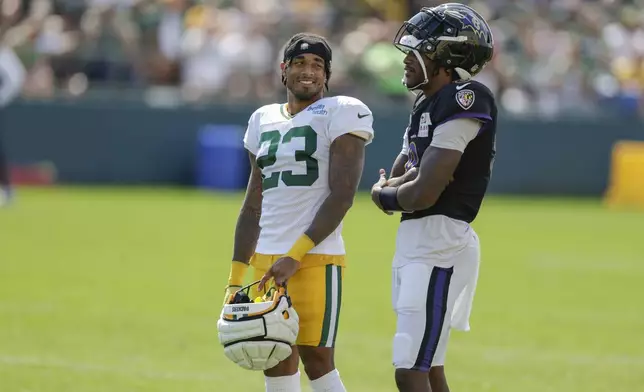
307, 157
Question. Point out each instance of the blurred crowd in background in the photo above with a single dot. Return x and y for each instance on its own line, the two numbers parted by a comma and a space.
553, 57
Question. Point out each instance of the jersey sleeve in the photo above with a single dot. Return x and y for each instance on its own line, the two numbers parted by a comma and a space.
464, 100
456, 134
405, 144
351, 116
251, 136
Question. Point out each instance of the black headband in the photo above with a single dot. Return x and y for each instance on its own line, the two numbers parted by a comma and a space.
310, 45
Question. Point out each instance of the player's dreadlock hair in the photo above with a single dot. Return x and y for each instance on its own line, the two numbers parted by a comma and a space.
302, 43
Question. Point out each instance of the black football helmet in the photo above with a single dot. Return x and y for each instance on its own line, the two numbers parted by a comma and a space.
452, 34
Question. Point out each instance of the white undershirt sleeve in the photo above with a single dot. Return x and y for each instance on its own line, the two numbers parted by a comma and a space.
405, 144
456, 134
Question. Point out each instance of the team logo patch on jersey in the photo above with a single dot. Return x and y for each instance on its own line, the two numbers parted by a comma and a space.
465, 98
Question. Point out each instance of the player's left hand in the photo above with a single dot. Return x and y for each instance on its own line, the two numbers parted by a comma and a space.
281, 271
410, 175
376, 188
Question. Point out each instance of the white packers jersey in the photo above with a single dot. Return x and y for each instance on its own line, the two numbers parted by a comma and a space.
293, 154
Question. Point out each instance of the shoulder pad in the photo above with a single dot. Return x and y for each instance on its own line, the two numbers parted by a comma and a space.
469, 99
268, 108
344, 100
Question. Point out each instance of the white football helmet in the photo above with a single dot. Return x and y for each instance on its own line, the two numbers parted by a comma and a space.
257, 335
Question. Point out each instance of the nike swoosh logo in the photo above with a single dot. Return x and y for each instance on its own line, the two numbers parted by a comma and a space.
461, 86
362, 115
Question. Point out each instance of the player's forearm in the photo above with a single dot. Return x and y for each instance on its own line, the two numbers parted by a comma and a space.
398, 169
246, 234
345, 170
413, 196
435, 172
329, 216
247, 229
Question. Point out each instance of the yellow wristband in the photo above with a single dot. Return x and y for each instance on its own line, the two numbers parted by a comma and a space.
301, 247
237, 272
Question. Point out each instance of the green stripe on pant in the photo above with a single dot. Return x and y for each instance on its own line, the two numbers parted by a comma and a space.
332, 305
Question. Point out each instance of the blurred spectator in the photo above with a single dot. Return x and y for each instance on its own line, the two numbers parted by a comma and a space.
556, 57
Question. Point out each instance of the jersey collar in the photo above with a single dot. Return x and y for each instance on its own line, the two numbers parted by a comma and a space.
284, 111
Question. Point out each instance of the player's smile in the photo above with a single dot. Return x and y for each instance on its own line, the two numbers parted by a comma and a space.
307, 82
409, 71
307, 85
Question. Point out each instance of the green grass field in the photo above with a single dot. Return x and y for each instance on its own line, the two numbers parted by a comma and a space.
105, 290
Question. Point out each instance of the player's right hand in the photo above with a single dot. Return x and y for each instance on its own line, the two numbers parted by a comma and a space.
281, 271
230, 289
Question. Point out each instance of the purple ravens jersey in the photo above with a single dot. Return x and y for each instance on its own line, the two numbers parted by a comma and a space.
462, 198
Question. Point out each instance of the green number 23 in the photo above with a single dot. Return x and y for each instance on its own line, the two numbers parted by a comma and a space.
306, 155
